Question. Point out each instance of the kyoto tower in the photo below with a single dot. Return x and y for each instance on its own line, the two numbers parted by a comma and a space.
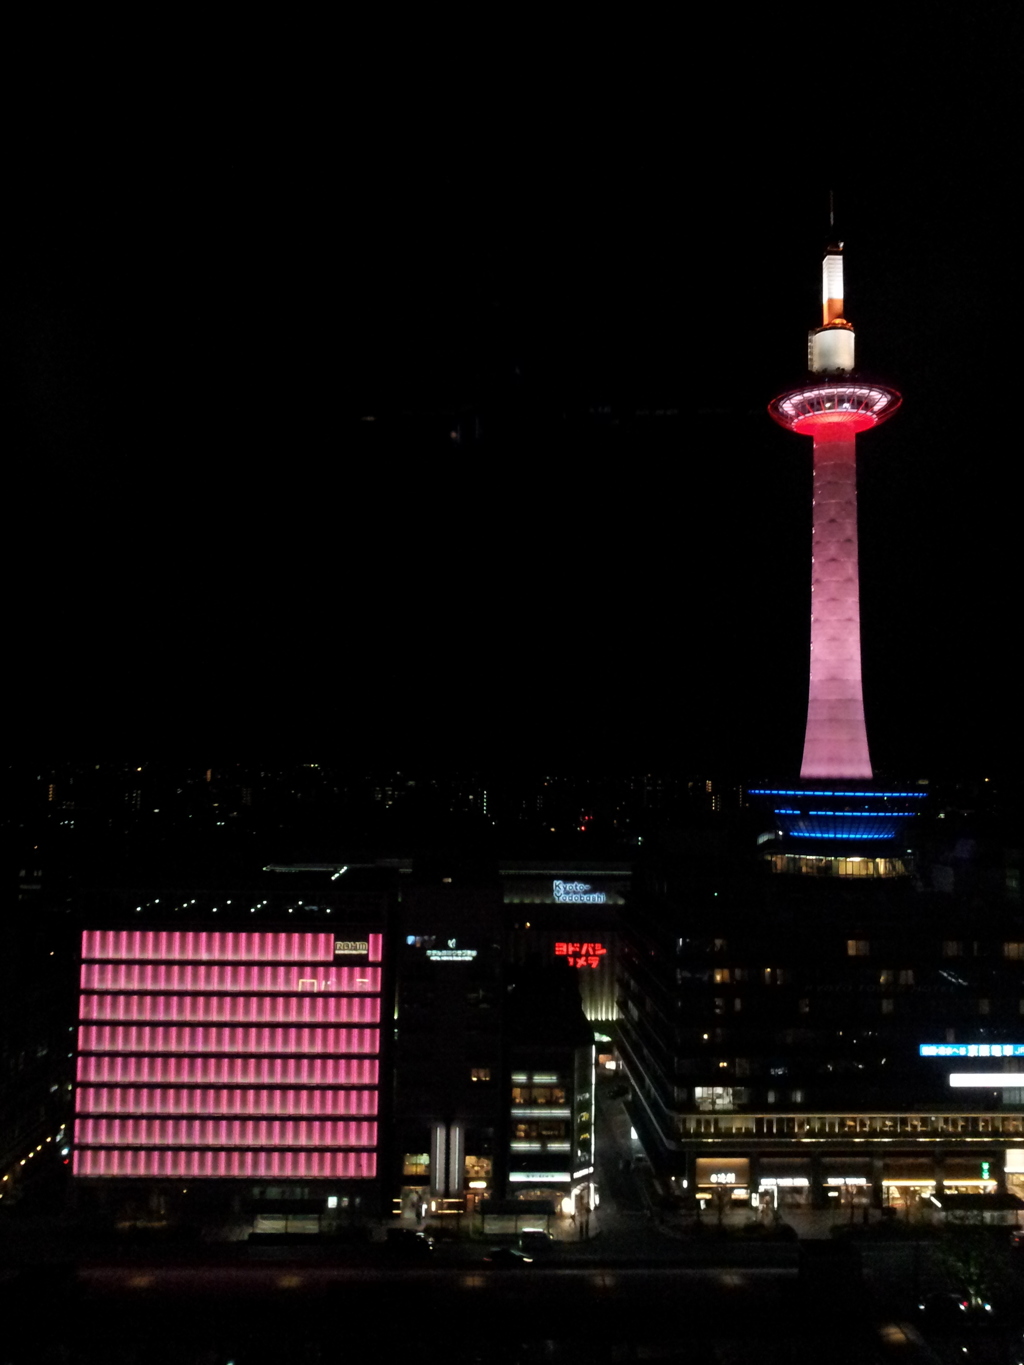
836, 799
832, 409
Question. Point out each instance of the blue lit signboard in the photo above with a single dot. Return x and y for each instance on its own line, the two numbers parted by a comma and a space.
577, 892
971, 1050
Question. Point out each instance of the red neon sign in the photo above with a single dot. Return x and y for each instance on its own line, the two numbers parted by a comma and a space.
581, 954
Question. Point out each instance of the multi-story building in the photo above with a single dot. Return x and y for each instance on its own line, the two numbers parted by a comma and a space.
231, 1057
795, 1036
552, 1074
449, 1019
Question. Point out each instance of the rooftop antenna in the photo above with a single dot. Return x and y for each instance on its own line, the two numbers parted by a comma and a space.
831, 211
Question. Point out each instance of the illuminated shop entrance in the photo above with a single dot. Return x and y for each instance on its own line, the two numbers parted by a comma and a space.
722, 1181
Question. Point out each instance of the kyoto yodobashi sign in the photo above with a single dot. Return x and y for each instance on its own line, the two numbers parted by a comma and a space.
581, 954
577, 893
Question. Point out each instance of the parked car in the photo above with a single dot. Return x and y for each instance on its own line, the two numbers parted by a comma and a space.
536, 1242
951, 1310
407, 1244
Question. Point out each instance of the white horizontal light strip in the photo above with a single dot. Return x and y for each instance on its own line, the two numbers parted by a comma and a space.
987, 1080
539, 1175
546, 1111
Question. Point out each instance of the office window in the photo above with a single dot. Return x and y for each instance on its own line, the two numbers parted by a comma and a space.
886, 977
721, 976
907, 976
857, 947
984, 1006
887, 1006
480, 1073
709, 1097
952, 947
1014, 950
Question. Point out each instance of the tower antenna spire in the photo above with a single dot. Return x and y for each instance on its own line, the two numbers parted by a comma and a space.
831, 211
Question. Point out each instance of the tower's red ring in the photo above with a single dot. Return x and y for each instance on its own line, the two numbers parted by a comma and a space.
848, 404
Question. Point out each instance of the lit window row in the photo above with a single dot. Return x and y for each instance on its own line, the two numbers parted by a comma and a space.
210, 1132
226, 977
230, 1009
308, 1042
184, 945
316, 1103
198, 1162
315, 1071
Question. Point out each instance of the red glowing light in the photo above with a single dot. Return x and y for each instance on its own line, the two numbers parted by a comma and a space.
821, 421
826, 404
581, 954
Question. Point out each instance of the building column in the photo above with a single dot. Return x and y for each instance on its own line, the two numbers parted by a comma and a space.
447, 1159
876, 1182
819, 1197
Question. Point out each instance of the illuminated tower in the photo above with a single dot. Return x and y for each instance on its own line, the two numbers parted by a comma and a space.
832, 409
836, 801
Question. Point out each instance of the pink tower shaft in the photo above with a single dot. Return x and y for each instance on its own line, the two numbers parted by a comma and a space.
836, 741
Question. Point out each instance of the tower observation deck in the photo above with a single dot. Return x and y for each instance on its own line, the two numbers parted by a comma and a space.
836, 800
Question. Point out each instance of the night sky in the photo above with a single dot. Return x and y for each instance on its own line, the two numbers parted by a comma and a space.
214, 548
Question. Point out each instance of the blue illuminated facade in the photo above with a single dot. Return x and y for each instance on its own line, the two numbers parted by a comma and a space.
842, 816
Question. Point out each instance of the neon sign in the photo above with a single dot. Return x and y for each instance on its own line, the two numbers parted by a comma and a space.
971, 1050
581, 954
441, 949
579, 893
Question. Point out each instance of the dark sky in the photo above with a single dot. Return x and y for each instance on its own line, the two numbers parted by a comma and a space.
213, 547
